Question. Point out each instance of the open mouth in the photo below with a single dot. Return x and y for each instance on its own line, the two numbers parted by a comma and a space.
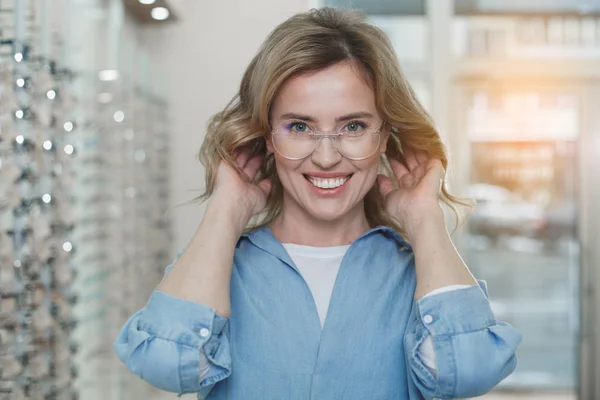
327, 183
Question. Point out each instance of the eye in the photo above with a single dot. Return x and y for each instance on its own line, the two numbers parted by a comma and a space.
298, 127
355, 127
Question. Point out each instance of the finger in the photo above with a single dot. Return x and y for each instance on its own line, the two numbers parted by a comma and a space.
399, 169
419, 171
407, 181
434, 175
242, 157
411, 159
422, 157
385, 185
253, 165
224, 170
437, 166
265, 185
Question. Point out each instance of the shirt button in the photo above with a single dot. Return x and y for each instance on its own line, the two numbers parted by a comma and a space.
428, 319
204, 332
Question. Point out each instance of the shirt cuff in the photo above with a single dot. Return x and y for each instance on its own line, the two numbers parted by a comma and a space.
178, 320
456, 311
426, 354
445, 289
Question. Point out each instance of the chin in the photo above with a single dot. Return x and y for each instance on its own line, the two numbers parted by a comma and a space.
327, 210
324, 215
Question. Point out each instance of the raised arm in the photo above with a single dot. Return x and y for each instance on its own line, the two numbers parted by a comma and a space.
469, 352
180, 341
202, 274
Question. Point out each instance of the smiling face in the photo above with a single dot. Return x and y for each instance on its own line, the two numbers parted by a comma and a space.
326, 185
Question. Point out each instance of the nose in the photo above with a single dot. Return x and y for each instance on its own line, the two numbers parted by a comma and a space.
326, 155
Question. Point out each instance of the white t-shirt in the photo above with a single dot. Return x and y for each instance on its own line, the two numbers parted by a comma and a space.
319, 267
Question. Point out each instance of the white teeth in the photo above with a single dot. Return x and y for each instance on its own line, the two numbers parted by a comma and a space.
331, 183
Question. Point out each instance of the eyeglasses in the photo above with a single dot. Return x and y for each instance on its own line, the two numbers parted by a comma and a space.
296, 140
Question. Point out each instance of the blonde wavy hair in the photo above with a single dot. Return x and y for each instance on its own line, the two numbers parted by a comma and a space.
309, 42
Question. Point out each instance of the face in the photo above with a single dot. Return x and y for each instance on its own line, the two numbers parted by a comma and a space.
326, 185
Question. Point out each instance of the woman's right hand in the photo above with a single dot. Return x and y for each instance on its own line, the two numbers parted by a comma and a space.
202, 274
249, 198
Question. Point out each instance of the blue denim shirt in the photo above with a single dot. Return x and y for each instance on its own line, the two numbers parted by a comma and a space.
273, 347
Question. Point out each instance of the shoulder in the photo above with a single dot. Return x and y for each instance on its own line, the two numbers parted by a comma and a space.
388, 237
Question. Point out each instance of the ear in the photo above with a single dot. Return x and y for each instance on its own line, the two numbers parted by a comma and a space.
269, 143
385, 136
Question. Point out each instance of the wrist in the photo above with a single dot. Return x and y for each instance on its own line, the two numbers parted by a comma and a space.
422, 223
228, 212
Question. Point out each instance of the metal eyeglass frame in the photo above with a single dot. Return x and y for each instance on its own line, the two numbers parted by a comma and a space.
333, 135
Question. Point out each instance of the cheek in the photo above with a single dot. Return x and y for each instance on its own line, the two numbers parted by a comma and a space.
369, 165
369, 169
284, 166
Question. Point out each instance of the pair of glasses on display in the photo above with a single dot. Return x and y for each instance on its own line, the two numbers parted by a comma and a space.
34, 319
29, 389
35, 283
32, 274
36, 216
296, 140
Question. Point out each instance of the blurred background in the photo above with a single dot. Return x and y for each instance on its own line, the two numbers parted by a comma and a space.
103, 106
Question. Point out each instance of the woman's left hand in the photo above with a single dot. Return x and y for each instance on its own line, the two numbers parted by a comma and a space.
417, 196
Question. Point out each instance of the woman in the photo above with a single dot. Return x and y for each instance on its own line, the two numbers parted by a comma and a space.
347, 285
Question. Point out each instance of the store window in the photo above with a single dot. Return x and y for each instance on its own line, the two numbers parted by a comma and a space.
522, 237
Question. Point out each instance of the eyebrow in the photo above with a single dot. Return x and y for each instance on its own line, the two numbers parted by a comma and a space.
346, 117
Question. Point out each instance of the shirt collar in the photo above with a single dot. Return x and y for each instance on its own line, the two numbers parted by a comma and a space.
264, 239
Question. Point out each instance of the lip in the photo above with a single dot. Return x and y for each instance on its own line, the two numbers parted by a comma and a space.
328, 192
327, 175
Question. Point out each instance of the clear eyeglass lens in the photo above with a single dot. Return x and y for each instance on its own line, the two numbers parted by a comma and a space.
298, 141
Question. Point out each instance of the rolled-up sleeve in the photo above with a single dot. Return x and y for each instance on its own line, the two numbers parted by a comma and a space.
176, 345
474, 352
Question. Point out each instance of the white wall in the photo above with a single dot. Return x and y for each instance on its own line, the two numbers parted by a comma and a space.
205, 55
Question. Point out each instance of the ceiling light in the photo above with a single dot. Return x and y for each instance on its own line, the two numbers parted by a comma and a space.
147, 2
104, 98
160, 13
108, 75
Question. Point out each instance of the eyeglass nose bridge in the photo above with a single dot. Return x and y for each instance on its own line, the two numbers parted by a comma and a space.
332, 136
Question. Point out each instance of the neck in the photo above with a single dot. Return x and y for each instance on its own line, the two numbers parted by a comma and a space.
295, 225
